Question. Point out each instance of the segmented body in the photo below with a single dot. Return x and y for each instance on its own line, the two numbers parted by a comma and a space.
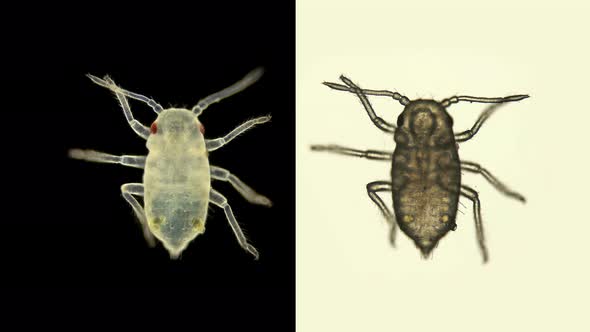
176, 179
425, 173
426, 170
177, 176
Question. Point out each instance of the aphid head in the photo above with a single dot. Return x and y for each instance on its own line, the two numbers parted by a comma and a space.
173, 127
424, 122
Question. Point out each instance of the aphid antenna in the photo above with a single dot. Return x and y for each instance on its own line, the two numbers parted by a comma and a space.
242, 84
453, 100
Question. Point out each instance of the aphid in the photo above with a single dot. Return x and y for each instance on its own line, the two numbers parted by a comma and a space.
176, 186
426, 170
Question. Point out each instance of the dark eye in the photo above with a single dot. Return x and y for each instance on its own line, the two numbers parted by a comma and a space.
400, 121
154, 128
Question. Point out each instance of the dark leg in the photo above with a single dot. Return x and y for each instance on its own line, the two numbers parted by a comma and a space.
372, 189
474, 197
469, 133
476, 168
351, 87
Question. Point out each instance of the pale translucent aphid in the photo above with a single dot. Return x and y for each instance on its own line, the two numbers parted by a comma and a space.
177, 176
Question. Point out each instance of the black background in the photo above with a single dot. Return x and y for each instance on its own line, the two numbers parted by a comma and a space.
68, 233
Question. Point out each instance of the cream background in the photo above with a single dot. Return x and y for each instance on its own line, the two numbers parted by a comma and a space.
348, 277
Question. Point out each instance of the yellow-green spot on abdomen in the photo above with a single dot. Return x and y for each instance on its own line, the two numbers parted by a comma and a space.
198, 225
156, 222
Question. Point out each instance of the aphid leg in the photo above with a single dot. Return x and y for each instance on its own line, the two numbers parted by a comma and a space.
139, 128
469, 133
110, 84
476, 168
248, 193
369, 154
100, 157
395, 95
129, 189
242, 84
219, 200
214, 144
379, 122
474, 197
372, 189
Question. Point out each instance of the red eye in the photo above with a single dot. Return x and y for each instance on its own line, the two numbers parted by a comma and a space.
154, 128
201, 128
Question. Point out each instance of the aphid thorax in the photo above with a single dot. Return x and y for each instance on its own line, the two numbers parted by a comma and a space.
176, 128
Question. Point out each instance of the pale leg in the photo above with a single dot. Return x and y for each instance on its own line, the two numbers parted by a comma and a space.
219, 200
100, 157
248, 193
128, 190
139, 128
214, 144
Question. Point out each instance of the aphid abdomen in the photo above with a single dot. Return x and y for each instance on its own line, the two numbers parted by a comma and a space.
176, 197
425, 194
176, 216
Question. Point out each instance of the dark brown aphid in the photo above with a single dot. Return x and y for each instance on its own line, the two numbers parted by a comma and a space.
426, 170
